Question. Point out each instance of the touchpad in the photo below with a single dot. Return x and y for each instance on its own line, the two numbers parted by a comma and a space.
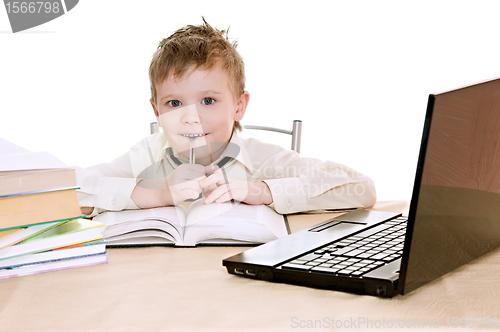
336, 224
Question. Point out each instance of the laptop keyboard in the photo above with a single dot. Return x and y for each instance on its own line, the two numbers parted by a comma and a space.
357, 254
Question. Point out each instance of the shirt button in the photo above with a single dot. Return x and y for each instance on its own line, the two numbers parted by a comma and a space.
114, 201
289, 205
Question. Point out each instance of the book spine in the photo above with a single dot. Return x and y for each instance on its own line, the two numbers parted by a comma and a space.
51, 261
51, 267
37, 192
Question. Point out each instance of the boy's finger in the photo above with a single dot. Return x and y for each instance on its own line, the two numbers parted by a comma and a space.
224, 198
206, 192
210, 169
215, 194
215, 178
198, 179
192, 194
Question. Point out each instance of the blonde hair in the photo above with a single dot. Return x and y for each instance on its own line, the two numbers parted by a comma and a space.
202, 46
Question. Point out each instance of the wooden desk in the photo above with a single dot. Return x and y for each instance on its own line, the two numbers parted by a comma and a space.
169, 289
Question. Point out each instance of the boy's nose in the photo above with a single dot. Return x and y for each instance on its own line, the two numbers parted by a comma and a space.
190, 115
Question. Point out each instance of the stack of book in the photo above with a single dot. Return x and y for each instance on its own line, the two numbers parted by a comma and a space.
41, 226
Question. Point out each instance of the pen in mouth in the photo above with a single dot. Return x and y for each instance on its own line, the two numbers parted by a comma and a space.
191, 151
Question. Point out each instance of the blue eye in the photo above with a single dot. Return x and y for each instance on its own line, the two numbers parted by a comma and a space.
208, 101
174, 103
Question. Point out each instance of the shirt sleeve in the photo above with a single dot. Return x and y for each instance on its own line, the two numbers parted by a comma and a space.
300, 184
107, 186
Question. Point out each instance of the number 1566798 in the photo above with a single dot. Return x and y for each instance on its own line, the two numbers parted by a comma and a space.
16, 7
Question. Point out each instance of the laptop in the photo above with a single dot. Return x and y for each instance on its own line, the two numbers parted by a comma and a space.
454, 214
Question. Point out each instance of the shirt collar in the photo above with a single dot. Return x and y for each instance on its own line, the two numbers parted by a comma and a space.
235, 150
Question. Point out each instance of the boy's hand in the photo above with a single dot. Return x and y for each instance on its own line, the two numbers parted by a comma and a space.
254, 193
183, 182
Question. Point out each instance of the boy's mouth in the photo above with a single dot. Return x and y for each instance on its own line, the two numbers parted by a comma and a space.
193, 135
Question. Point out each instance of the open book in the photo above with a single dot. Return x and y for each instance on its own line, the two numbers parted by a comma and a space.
216, 224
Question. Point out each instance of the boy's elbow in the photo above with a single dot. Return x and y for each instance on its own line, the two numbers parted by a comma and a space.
369, 196
87, 210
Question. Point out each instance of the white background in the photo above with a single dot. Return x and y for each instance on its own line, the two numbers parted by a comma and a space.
357, 73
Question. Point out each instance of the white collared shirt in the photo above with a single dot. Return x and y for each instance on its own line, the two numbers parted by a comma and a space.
297, 184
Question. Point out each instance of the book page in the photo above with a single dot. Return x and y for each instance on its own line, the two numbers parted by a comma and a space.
142, 237
29, 160
130, 223
7, 147
241, 222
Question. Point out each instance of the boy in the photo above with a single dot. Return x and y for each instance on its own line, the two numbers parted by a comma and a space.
198, 97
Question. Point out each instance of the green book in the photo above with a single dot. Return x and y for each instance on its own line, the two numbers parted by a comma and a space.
20, 234
72, 232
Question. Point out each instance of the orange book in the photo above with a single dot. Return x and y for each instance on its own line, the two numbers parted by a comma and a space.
31, 209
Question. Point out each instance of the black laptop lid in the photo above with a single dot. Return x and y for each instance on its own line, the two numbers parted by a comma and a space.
455, 210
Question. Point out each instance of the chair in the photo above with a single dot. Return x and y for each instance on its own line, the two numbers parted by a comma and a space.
153, 127
296, 132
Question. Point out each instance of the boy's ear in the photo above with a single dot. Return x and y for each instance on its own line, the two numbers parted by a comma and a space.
241, 106
157, 114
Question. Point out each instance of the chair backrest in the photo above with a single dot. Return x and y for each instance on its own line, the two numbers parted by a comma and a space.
296, 132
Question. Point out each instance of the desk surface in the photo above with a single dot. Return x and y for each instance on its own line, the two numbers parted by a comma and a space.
184, 289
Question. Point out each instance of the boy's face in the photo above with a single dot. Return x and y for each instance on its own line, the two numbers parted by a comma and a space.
200, 105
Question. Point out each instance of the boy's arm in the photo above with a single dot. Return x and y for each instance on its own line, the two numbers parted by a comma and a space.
143, 197
113, 187
106, 187
300, 184
292, 195
99, 192
146, 198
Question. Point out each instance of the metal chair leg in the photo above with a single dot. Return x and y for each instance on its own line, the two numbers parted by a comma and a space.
296, 135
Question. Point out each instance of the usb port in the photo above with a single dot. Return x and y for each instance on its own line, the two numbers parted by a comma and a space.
252, 273
239, 271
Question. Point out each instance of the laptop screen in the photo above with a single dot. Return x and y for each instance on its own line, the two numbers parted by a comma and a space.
455, 210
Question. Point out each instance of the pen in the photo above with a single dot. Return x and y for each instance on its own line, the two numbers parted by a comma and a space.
191, 151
